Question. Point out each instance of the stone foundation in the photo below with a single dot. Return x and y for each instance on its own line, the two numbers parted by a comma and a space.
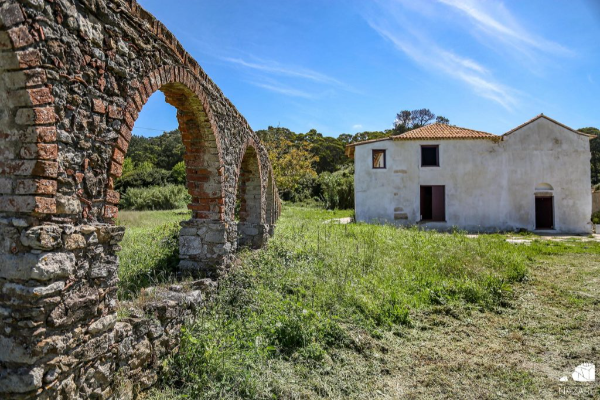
253, 235
205, 247
61, 336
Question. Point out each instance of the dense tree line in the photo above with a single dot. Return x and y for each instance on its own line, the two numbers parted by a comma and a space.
306, 165
595, 149
162, 151
154, 161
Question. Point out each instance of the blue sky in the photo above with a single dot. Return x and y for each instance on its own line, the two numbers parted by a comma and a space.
346, 66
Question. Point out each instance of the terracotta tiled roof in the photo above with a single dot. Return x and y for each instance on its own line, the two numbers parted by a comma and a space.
443, 131
430, 132
449, 132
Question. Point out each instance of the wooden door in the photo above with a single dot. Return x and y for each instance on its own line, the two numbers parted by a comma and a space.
544, 213
433, 203
439, 203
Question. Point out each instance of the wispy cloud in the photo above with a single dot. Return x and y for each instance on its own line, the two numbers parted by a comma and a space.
284, 90
493, 19
357, 126
497, 22
285, 70
402, 22
427, 54
265, 72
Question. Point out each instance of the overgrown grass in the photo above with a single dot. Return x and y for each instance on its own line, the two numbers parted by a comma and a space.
150, 249
307, 316
294, 313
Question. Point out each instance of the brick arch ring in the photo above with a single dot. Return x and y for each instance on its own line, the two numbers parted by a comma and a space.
251, 187
202, 140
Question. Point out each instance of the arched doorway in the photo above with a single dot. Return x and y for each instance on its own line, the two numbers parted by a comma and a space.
544, 206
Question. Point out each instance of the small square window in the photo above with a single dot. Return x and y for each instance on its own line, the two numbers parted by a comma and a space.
430, 156
378, 159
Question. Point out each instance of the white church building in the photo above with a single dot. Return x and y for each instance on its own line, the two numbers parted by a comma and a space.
534, 177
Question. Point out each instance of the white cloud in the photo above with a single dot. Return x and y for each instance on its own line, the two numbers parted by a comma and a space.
357, 126
405, 23
427, 54
266, 69
284, 90
494, 20
286, 70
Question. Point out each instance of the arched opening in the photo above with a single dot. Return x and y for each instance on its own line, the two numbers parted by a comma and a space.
153, 176
204, 239
201, 156
249, 197
544, 206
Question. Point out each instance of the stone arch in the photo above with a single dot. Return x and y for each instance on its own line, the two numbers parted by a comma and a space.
249, 185
73, 77
203, 156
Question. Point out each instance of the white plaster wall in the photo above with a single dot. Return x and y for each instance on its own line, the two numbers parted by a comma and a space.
489, 185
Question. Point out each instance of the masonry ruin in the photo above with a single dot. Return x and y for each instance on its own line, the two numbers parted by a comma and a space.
74, 74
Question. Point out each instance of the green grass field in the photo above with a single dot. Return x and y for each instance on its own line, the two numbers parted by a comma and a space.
314, 314
150, 249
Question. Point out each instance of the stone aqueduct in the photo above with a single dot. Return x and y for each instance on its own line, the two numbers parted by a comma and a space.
74, 74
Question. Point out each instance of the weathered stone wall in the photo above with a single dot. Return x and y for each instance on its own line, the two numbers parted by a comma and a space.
74, 74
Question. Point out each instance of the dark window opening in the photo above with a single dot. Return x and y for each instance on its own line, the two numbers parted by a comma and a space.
544, 213
430, 156
378, 159
433, 203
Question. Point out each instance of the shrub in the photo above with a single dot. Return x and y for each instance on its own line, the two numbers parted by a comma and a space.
167, 197
338, 188
142, 178
596, 217
178, 173
303, 190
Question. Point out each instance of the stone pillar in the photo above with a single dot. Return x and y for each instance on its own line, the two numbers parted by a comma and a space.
205, 247
252, 235
57, 309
